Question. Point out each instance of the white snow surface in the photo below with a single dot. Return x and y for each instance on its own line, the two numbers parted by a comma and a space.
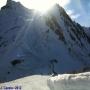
35, 82
79, 81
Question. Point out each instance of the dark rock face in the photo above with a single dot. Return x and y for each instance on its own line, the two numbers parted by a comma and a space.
17, 61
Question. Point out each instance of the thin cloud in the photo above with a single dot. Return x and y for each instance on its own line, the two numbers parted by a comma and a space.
75, 16
72, 14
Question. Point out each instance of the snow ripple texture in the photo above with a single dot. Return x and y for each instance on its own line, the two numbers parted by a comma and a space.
79, 81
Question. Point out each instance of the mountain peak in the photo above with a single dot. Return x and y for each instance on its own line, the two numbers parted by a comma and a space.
9, 1
11, 4
57, 6
57, 10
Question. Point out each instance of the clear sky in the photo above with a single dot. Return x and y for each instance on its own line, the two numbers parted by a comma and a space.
79, 10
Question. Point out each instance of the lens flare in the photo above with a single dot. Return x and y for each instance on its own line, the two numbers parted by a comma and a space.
42, 5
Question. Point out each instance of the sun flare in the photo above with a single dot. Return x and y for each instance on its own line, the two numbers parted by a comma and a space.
39, 5
42, 5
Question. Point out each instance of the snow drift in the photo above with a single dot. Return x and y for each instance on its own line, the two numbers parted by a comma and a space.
79, 81
35, 82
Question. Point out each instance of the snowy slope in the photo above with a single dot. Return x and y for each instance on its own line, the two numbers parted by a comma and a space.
35, 82
79, 81
31, 43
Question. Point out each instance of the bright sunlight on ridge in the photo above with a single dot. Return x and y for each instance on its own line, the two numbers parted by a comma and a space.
42, 5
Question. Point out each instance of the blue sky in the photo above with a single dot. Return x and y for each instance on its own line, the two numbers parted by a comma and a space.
79, 10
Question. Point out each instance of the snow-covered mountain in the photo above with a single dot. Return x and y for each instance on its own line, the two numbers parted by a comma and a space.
32, 43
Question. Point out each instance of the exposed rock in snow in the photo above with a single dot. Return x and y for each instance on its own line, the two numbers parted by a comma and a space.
87, 30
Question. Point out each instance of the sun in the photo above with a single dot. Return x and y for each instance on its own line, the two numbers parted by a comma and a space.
39, 5
42, 5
